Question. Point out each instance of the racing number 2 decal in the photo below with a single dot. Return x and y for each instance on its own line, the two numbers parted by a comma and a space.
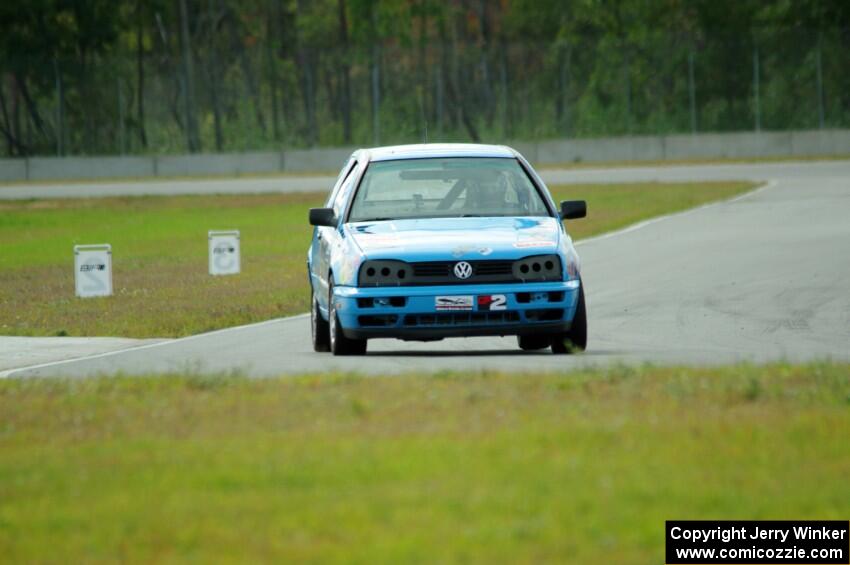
492, 302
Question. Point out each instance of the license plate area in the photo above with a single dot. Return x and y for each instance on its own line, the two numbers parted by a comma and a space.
455, 303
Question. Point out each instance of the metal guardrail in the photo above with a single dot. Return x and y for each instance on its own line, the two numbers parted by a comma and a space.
802, 143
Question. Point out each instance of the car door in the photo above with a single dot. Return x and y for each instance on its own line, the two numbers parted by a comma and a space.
327, 238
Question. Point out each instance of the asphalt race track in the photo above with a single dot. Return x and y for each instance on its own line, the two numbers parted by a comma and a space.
762, 277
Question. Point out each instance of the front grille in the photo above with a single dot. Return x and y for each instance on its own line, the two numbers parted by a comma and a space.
460, 319
492, 268
392, 272
432, 269
441, 272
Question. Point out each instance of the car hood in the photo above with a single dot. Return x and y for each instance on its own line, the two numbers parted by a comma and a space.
434, 239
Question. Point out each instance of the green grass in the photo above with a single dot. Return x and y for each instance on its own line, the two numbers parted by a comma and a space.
159, 247
490, 468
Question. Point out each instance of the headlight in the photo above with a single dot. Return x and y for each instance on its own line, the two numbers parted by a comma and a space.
384, 273
572, 266
538, 268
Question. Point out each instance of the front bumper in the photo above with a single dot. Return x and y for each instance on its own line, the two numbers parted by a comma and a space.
412, 312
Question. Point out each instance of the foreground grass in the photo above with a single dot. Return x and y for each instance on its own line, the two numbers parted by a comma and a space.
581, 467
160, 256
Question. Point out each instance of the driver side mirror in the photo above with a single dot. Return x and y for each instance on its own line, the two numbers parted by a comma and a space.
323, 217
573, 209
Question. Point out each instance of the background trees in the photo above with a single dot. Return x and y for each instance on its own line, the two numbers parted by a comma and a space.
132, 76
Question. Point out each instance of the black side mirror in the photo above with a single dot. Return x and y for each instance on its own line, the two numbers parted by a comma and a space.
573, 209
322, 217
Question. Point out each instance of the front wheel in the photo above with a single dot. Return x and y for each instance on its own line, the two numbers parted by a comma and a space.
319, 328
574, 340
339, 344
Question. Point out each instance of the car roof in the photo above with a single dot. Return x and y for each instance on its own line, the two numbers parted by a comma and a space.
426, 150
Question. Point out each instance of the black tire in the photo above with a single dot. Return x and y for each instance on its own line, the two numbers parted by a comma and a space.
339, 344
533, 342
319, 328
574, 340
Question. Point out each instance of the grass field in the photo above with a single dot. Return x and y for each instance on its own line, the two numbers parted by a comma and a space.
159, 248
582, 467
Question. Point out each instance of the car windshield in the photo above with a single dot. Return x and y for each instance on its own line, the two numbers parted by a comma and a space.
445, 188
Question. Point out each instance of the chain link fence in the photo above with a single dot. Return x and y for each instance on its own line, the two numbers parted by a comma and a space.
255, 98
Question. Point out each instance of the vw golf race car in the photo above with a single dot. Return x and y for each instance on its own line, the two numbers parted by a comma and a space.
424, 242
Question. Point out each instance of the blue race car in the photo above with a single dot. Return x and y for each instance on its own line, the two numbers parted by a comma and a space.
423, 242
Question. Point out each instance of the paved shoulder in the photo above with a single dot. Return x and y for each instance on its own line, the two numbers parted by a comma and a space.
16, 352
168, 187
709, 172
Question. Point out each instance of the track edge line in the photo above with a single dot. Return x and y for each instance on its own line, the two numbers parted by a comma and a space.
9, 373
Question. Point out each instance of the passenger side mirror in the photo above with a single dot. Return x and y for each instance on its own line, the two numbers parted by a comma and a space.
573, 209
323, 217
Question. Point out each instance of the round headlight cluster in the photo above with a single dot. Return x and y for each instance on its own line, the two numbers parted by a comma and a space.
384, 273
538, 268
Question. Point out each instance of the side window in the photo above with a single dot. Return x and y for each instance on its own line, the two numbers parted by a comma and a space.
343, 191
343, 173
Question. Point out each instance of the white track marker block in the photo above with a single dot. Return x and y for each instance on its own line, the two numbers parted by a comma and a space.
224, 252
93, 270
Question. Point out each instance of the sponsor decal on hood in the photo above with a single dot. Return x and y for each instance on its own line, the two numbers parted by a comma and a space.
467, 238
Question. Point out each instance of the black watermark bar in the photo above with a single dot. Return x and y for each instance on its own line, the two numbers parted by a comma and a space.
757, 541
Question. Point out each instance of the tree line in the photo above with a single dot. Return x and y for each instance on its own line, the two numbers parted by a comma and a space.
170, 76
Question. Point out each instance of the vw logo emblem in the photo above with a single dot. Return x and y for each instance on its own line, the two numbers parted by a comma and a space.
463, 270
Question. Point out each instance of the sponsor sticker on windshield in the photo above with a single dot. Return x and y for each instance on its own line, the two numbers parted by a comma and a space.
453, 302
